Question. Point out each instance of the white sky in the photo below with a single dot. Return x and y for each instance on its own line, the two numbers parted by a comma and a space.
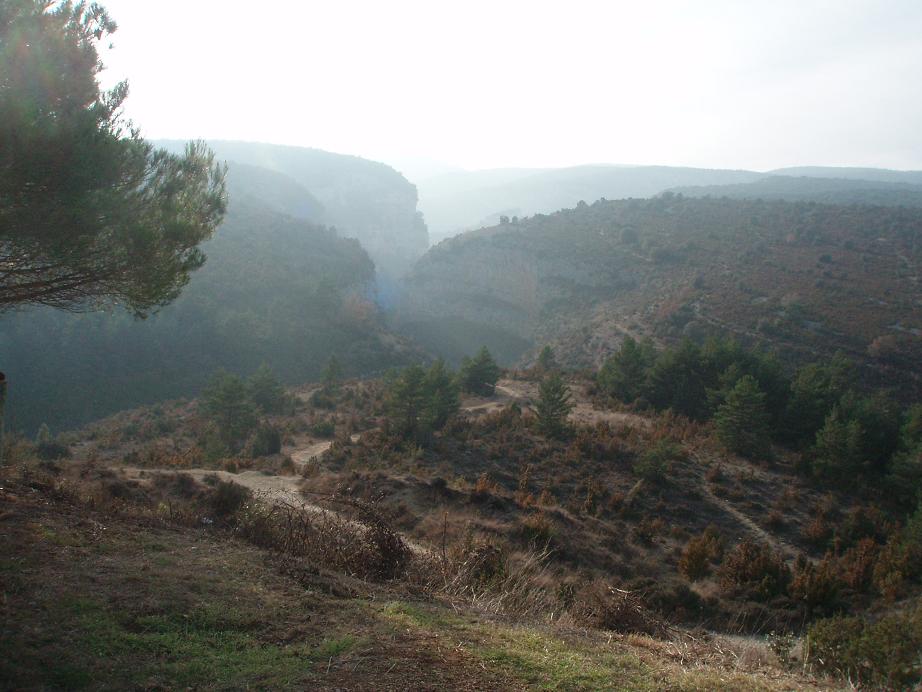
741, 84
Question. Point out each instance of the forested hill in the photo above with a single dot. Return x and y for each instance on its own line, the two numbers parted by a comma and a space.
463, 200
848, 190
806, 278
274, 289
362, 199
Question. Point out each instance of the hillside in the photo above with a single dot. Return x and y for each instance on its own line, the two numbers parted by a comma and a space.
274, 289
363, 199
815, 189
885, 175
455, 202
806, 279
631, 551
516, 548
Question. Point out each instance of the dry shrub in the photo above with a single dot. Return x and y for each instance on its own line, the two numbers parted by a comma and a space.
788, 500
882, 654
598, 442
546, 499
817, 532
816, 586
756, 568
604, 607
535, 529
484, 485
775, 520
856, 566
365, 546
714, 473
698, 554
897, 563
492, 581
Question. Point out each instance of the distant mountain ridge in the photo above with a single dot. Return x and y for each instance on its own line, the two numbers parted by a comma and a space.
466, 200
825, 190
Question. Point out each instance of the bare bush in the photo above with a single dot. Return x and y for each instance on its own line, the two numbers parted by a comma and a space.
605, 607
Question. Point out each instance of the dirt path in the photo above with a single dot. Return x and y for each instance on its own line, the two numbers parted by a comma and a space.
777, 544
278, 487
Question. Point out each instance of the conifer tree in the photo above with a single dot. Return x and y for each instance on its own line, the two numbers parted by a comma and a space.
227, 403
90, 213
547, 360
742, 420
553, 405
266, 391
837, 452
624, 374
406, 401
442, 400
331, 376
480, 373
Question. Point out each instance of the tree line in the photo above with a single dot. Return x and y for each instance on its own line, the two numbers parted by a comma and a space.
844, 435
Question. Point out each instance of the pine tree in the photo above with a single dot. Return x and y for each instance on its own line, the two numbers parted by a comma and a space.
266, 391
90, 213
331, 376
546, 360
226, 402
742, 420
406, 401
480, 373
442, 400
837, 452
624, 374
553, 405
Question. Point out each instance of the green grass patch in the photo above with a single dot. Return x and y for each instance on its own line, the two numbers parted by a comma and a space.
205, 647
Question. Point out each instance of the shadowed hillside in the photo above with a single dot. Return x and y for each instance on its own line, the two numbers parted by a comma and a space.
273, 289
363, 199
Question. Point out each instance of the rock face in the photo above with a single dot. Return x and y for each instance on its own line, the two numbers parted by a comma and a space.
803, 278
363, 199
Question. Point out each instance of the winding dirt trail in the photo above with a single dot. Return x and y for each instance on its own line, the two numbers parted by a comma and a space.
779, 545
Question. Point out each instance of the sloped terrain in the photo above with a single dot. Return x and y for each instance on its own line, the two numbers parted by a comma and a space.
104, 600
274, 289
813, 189
362, 199
803, 278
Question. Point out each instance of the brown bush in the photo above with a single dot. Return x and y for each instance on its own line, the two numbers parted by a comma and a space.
699, 552
815, 586
365, 546
755, 568
817, 532
897, 563
856, 566
604, 607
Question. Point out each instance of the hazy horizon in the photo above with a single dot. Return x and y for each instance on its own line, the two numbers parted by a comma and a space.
476, 86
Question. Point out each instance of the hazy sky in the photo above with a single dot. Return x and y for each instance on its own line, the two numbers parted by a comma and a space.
490, 84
